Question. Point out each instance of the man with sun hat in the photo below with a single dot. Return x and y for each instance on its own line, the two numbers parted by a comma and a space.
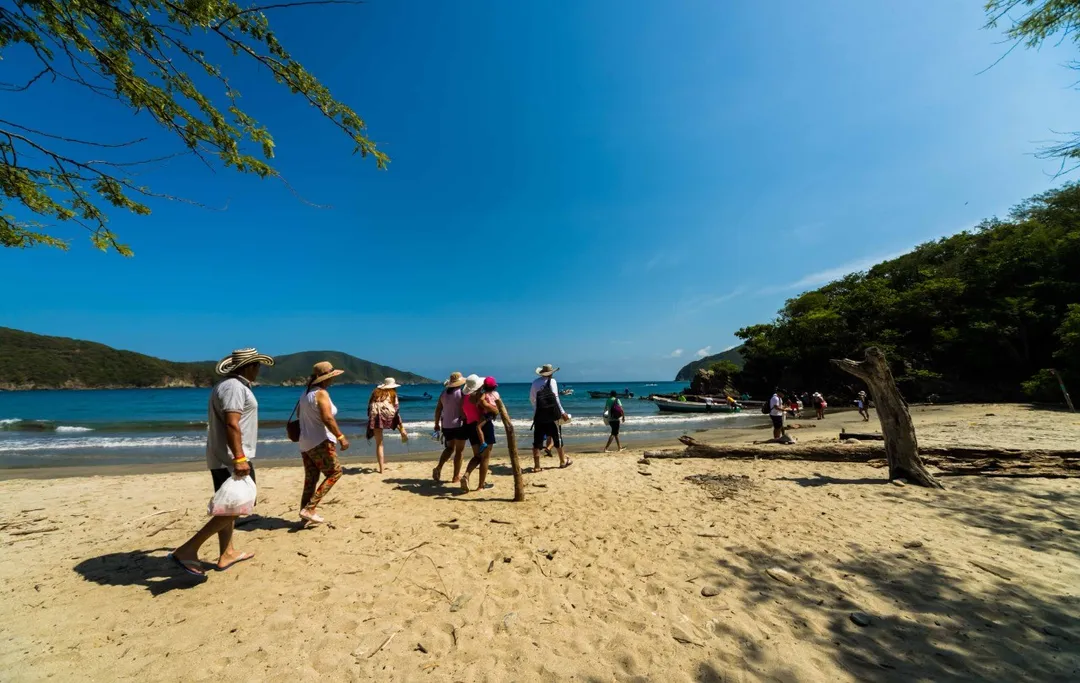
232, 432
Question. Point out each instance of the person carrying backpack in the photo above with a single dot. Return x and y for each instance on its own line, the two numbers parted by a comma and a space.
615, 416
548, 412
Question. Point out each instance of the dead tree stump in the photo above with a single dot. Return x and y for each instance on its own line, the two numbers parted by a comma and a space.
511, 444
901, 447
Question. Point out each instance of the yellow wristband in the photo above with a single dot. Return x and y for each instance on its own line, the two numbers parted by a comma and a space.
239, 460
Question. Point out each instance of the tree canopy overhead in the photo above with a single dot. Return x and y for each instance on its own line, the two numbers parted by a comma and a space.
1030, 23
147, 55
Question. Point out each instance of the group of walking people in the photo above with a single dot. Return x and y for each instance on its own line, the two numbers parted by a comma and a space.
465, 414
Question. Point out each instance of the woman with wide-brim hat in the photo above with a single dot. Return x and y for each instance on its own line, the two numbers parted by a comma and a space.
450, 422
320, 439
384, 412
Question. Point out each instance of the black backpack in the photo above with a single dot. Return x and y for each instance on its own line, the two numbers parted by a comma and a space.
547, 405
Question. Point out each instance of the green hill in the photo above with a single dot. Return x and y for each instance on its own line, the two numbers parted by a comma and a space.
690, 369
294, 368
34, 361
982, 315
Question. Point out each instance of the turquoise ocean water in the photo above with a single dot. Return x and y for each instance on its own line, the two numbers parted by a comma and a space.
116, 426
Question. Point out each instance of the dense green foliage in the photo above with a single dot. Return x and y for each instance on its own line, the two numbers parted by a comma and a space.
980, 315
34, 361
29, 361
150, 56
1031, 23
687, 372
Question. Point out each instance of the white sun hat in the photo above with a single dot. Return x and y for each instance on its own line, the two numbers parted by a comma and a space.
389, 383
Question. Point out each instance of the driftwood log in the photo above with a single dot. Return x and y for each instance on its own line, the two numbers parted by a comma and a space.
901, 446
511, 444
950, 460
861, 437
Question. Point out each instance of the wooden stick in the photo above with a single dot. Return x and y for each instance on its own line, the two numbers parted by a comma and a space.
153, 514
34, 531
384, 644
511, 444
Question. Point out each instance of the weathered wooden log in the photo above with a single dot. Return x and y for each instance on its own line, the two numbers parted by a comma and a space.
955, 460
861, 437
901, 446
511, 444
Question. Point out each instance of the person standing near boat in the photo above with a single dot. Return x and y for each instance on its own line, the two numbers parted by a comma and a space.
384, 412
615, 416
320, 438
776, 413
548, 412
232, 433
450, 421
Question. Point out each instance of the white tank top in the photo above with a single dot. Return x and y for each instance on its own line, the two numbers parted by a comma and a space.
312, 430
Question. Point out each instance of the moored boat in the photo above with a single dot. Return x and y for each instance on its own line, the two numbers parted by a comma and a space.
670, 406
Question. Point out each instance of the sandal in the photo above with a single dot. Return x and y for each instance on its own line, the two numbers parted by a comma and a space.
183, 564
311, 517
566, 464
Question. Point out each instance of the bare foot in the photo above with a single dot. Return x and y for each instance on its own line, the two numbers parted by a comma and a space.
464, 484
229, 558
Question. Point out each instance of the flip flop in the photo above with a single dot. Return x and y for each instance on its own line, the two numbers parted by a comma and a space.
183, 565
311, 517
547, 452
568, 463
244, 557
436, 474
464, 484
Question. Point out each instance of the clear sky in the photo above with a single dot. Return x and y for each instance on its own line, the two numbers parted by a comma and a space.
612, 187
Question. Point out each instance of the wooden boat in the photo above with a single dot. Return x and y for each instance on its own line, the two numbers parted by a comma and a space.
670, 406
407, 399
607, 394
566, 392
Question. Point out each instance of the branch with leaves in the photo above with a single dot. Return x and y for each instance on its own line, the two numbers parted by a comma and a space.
142, 54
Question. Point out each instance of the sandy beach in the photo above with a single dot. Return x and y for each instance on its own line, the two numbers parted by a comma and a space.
612, 570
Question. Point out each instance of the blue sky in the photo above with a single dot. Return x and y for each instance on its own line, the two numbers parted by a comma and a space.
612, 187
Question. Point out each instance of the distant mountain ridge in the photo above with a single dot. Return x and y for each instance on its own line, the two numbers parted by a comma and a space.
687, 372
34, 361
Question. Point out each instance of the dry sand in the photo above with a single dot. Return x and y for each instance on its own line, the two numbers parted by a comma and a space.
599, 575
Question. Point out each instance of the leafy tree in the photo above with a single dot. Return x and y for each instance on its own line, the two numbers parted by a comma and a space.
974, 316
1031, 23
150, 56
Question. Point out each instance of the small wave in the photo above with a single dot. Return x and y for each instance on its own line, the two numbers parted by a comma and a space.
64, 429
100, 443
9, 421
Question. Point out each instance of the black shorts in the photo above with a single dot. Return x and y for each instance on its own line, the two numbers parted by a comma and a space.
488, 428
777, 421
456, 434
222, 475
615, 427
542, 430
470, 434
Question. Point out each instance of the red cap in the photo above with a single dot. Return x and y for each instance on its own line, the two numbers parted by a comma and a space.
490, 383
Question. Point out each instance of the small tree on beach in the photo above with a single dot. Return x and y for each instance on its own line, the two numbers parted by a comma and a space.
148, 55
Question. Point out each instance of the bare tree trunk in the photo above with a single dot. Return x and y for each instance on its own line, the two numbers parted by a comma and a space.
511, 443
901, 446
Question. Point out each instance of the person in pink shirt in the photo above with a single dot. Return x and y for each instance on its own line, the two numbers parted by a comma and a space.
481, 398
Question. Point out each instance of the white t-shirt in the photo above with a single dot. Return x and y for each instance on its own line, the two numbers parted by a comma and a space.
776, 406
231, 395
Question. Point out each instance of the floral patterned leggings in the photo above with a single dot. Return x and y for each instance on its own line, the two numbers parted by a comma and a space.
321, 459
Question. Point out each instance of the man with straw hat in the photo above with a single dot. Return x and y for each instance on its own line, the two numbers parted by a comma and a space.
232, 431
544, 395
450, 420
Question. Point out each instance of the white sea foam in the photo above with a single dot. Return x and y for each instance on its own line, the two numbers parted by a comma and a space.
10, 421
64, 429
22, 445
632, 422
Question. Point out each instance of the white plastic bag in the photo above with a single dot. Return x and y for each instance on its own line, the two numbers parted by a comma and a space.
235, 497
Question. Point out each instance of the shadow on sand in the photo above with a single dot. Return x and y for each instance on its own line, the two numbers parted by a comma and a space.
151, 569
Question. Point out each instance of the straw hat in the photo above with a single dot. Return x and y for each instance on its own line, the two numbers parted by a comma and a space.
546, 370
389, 383
239, 358
323, 371
456, 380
473, 383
